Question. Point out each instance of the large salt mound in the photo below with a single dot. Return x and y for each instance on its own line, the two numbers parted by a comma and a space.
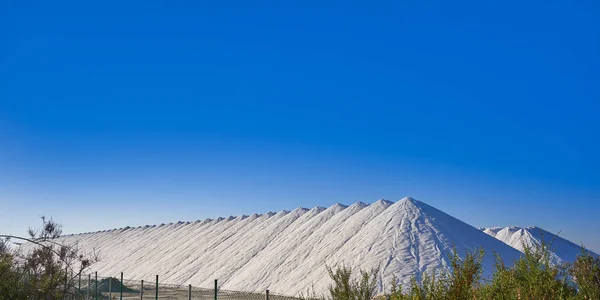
286, 252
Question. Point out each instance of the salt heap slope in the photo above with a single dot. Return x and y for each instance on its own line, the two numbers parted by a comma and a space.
532, 237
286, 252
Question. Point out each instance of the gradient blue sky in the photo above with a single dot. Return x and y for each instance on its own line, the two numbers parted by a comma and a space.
117, 113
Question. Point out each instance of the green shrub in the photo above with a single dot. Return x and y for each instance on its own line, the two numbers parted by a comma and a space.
461, 282
344, 287
531, 277
46, 272
11, 284
586, 275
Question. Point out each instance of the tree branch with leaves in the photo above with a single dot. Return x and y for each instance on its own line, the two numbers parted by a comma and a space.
41, 266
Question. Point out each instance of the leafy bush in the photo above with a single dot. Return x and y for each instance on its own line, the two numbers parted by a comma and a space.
531, 277
461, 282
46, 272
586, 274
347, 288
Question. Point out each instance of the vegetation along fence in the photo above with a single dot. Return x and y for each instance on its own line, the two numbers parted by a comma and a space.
93, 287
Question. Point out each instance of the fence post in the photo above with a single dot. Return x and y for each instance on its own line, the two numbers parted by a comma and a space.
109, 288
267, 295
89, 286
66, 283
79, 287
121, 290
216, 287
189, 292
156, 288
142, 291
73, 282
96, 286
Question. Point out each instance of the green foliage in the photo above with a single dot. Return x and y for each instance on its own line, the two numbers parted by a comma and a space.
344, 287
461, 282
465, 276
11, 283
531, 277
45, 272
586, 274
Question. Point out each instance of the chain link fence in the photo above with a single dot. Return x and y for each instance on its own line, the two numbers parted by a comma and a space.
94, 287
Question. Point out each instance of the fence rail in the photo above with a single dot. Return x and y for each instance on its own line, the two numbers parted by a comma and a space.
94, 287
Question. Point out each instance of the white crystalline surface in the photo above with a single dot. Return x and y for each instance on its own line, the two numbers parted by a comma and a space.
563, 251
287, 252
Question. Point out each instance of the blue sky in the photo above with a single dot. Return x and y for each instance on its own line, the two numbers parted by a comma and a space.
120, 113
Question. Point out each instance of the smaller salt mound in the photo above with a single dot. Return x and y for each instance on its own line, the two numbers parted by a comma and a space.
532, 237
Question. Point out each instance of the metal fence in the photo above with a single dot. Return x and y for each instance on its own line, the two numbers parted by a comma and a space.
94, 287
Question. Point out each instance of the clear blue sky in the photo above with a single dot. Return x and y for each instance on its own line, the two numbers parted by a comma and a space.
117, 113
